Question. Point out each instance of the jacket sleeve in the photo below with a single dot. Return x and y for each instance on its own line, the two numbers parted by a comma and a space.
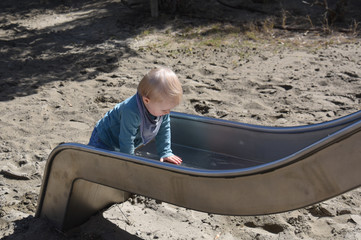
163, 138
129, 126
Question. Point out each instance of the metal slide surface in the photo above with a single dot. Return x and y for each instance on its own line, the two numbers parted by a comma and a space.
228, 168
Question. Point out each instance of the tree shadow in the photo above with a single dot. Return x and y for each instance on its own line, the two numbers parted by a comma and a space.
97, 227
93, 36
75, 50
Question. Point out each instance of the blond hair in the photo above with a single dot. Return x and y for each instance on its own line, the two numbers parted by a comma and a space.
161, 84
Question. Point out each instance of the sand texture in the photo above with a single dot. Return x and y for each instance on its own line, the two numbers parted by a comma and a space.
64, 64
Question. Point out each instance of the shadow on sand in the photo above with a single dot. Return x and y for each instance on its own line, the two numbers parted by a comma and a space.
93, 36
31, 228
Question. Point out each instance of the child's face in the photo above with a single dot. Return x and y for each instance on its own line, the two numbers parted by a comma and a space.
159, 108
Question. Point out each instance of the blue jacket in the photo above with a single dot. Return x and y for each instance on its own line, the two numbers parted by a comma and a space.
120, 129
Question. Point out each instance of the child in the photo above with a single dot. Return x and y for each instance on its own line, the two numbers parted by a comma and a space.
142, 117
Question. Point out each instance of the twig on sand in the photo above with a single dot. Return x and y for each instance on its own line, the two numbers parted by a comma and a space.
127, 221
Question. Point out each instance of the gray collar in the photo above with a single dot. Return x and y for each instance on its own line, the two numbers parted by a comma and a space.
149, 125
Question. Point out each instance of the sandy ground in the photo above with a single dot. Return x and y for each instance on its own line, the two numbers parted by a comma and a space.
64, 64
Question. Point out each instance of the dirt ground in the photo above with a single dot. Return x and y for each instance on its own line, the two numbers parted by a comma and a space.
64, 64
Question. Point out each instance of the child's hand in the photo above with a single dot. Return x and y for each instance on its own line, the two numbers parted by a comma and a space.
172, 159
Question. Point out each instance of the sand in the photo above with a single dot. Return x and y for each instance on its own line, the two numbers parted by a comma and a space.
64, 64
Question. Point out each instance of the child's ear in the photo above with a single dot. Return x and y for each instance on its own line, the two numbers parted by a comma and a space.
146, 100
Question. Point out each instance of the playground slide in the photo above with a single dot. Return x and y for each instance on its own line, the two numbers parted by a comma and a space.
228, 168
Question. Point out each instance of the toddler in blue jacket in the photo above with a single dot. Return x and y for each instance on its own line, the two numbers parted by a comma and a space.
142, 117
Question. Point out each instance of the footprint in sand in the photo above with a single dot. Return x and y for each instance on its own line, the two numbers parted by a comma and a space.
200, 107
12, 172
206, 72
270, 227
